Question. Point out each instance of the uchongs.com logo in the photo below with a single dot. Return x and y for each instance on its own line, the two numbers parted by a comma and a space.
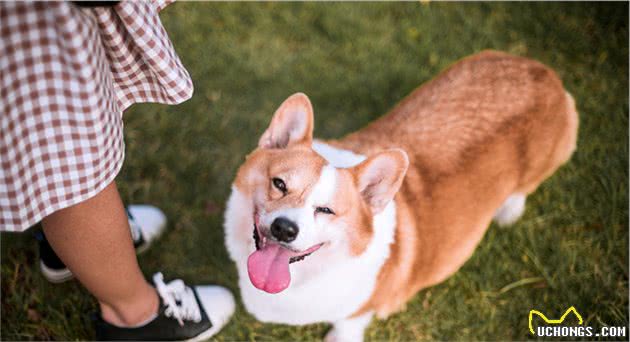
552, 327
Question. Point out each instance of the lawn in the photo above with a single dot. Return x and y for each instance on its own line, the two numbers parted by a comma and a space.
355, 61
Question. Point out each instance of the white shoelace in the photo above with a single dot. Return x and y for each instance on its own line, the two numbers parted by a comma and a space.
179, 299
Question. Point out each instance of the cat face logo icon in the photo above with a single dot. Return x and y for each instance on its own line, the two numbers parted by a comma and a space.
553, 321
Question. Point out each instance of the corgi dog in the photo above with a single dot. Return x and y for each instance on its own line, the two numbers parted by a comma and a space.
340, 231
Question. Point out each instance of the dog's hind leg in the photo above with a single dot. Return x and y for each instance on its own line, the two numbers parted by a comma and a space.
511, 210
350, 329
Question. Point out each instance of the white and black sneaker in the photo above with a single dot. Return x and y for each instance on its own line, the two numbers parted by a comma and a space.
185, 314
145, 222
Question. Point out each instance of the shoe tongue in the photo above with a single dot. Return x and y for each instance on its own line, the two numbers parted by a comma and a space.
268, 268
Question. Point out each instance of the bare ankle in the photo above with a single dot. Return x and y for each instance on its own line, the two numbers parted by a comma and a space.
130, 314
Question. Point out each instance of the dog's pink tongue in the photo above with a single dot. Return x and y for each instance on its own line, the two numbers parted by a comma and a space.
268, 268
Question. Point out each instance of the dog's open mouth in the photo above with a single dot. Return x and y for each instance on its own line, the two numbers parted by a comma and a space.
259, 243
268, 266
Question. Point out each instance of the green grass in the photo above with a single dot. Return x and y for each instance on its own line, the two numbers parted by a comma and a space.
355, 61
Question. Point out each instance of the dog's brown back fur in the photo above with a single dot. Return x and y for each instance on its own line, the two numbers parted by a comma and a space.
489, 126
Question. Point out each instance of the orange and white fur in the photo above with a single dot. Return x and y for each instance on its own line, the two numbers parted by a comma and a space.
399, 205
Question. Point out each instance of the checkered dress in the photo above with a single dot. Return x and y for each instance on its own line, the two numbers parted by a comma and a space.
66, 75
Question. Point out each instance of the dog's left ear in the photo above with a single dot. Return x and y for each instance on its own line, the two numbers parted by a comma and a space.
291, 124
380, 176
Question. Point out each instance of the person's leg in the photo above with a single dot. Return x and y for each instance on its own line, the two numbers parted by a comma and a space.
93, 239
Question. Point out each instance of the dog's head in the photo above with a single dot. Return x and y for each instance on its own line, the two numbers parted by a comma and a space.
303, 207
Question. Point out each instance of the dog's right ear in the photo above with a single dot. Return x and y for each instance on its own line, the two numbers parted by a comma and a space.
291, 124
380, 176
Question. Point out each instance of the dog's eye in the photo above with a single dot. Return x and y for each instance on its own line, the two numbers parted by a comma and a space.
279, 184
324, 210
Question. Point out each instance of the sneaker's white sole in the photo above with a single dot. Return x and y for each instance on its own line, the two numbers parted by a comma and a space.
144, 247
55, 276
148, 243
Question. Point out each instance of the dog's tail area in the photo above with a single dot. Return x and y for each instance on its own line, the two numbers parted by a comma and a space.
569, 142
514, 206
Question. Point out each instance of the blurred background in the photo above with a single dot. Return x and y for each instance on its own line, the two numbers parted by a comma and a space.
355, 61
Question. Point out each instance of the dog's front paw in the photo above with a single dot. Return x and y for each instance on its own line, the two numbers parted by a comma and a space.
337, 335
331, 336
349, 330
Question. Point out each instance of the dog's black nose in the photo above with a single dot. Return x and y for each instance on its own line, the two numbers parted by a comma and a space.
284, 229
